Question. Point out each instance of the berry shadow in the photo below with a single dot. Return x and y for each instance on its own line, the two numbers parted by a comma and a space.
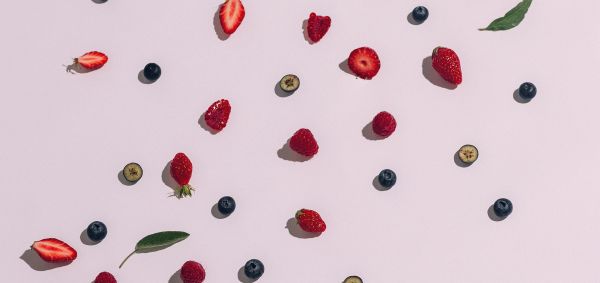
344, 67
305, 32
205, 126
412, 20
243, 278
122, 179
459, 162
216, 213
378, 185
85, 239
280, 92
37, 263
168, 179
492, 215
287, 153
295, 230
217, 24
432, 75
99, 1
76, 68
143, 78
518, 98
369, 134
176, 277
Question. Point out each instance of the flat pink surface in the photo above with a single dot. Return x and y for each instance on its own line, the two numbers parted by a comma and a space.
66, 137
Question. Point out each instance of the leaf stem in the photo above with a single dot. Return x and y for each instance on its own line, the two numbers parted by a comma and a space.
127, 258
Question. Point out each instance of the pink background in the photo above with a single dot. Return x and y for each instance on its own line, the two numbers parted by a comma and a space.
66, 137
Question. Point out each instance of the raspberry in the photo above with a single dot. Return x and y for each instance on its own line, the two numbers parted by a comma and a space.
384, 124
192, 272
105, 277
304, 143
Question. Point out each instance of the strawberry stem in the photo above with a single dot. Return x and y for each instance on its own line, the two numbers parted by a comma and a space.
126, 259
186, 191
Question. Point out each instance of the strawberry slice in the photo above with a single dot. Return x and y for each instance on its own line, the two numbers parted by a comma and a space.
92, 60
231, 15
54, 250
364, 62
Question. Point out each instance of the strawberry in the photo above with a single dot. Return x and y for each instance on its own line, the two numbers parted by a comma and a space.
54, 250
105, 277
217, 114
192, 272
446, 63
364, 62
231, 14
92, 60
310, 221
384, 124
304, 143
317, 26
181, 171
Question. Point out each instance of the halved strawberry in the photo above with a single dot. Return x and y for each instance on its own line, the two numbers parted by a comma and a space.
54, 250
364, 62
92, 60
231, 15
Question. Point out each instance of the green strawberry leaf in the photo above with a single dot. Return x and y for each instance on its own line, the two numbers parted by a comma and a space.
157, 241
511, 19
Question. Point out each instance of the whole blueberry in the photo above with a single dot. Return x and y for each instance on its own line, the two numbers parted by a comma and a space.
503, 207
97, 231
152, 71
420, 14
527, 90
254, 269
226, 205
387, 178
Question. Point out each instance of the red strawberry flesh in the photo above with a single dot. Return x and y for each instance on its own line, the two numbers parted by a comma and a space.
364, 62
92, 60
54, 250
231, 15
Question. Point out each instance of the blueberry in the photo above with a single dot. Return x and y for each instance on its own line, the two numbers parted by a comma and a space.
420, 14
96, 231
226, 205
527, 90
503, 207
254, 269
152, 71
387, 178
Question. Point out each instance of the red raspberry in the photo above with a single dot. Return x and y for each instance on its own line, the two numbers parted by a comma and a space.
310, 221
317, 26
304, 143
105, 277
384, 124
192, 272
217, 115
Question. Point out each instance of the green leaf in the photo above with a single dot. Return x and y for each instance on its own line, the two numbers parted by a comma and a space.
157, 241
511, 19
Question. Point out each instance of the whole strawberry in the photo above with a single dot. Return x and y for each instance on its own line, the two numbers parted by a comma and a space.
217, 115
310, 221
304, 143
317, 26
192, 272
181, 171
105, 277
384, 124
446, 63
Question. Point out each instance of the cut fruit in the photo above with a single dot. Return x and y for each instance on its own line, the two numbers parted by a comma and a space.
92, 60
289, 83
353, 279
133, 172
54, 250
468, 154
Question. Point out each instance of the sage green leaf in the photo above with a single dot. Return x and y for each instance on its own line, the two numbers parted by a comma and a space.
156, 241
511, 19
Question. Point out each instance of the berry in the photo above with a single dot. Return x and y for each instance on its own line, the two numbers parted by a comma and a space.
420, 14
387, 178
217, 115
231, 15
97, 231
503, 207
446, 63
92, 60
54, 250
181, 171
226, 205
192, 272
527, 90
317, 26
310, 221
105, 277
364, 62
384, 124
133, 172
353, 279
468, 154
152, 71
289, 83
304, 143
254, 269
